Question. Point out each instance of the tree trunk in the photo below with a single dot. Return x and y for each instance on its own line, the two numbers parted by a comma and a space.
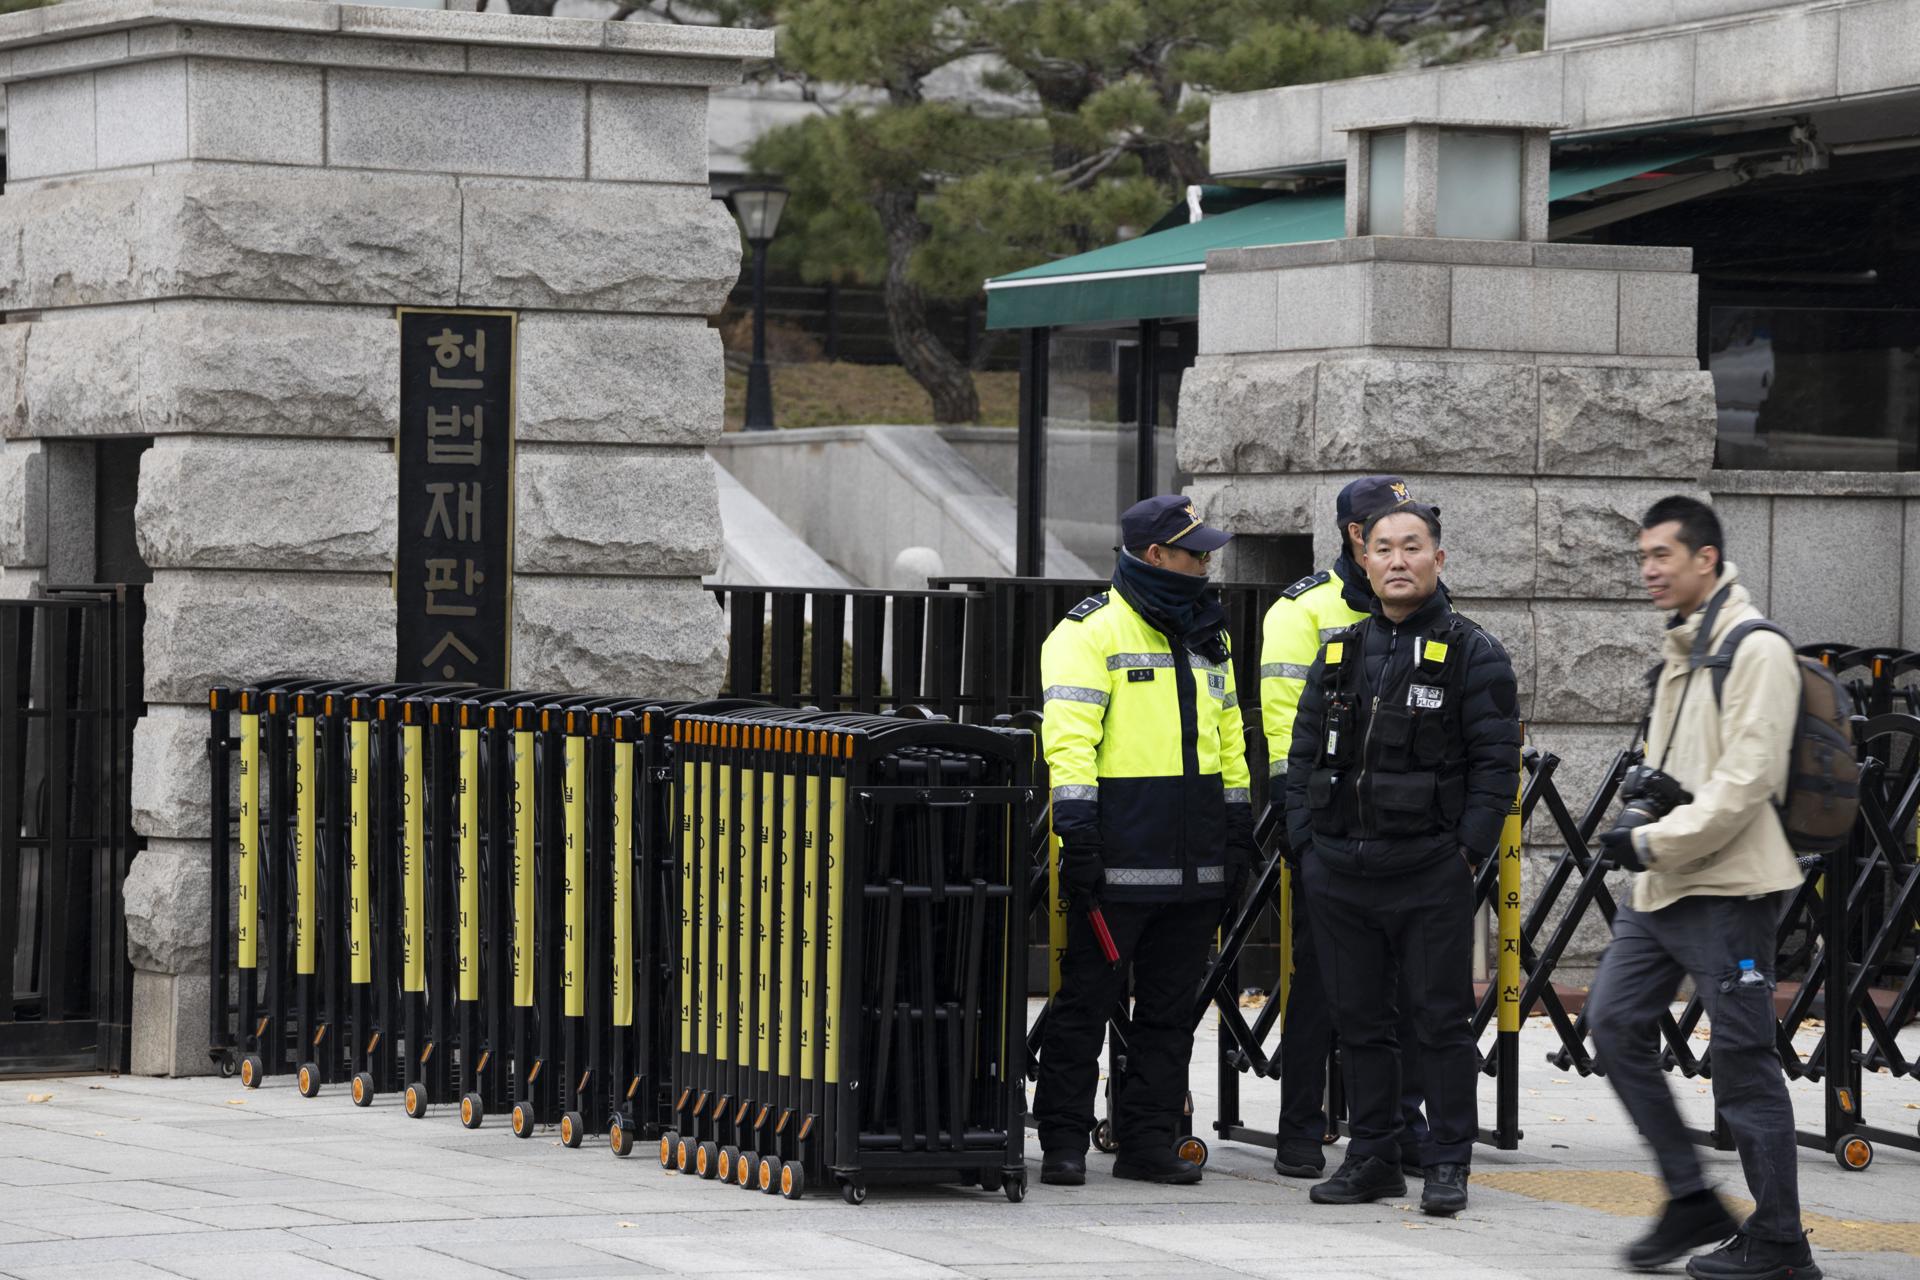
946, 379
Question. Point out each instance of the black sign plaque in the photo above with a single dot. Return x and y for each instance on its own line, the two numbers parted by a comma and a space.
454, 585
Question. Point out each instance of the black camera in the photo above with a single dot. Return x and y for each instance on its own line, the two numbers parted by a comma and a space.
1648, 795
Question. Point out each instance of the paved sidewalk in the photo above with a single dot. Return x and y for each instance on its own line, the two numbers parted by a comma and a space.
140, 1178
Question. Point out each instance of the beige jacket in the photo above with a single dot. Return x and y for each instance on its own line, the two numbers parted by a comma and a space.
1732, 757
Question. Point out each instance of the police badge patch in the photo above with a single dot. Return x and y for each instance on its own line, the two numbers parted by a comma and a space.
1424, 697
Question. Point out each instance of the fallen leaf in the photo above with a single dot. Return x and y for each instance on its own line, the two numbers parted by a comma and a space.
1414, 1226
39, 1097
99, 1133
1558, 1119
96, 1086
236, 1102
628, 1226
1913, 1106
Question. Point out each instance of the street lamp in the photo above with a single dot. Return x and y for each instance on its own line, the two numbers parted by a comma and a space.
758, 209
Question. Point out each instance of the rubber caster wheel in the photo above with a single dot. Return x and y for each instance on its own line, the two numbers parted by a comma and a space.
854, 1192
682, 1154
706, 1160
1854, 1154
472, 1110
252, 1070
669, 1140
416, 1100
793, 1181
1103, 1138
228, 1066
745, 1166
573, 1129
1192, 1150
991, 1180
619, 1139
361, 1090
723, 1167
309, 1080
1016, 1189
521, 1120
767, 1176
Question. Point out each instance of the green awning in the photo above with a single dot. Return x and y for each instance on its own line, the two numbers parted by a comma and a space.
1158, 275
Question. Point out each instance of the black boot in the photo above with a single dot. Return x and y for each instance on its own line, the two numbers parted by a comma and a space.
1155, 1163
1300, 1158
1446, 1191
1687, 1223
1745, 1258
1063, 1168
1360, 1179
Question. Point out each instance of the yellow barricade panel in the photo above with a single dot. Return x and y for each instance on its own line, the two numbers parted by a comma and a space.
1508, 905
305, 856
523, 805
622, 817
247, 926
722, 855
746, 886
413, 872
835, 924
689, 900
789, 1012
359, 826
704, 851
762, 971
809, 922
469, 863
573, 803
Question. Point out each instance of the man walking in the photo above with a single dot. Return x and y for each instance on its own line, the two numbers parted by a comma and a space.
1404, 762
1148, 766
1308, 612
1714, 869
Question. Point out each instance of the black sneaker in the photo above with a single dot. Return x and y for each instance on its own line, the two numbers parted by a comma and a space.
1360, 1179
1446, 1191
1747, 1258
1300, 1158
1156, 1164
1064, 1168
1687, 1223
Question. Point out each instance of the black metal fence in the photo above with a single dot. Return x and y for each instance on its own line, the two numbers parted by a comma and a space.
70, 691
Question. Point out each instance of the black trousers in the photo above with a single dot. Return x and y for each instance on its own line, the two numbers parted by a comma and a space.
1306, 1039
1374, 938
1165, 946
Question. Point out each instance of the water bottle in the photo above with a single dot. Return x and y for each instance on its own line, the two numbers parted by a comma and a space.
1750, 976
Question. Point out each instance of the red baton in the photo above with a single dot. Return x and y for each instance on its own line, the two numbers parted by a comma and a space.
1105, 935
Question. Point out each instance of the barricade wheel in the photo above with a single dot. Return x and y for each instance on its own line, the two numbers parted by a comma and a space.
619, 1139
522, 1120
573, 1129
1103, 1137
472, 1110
706, 1159
1192, 1150
1854, 1154
682, 1154
309, 1080
723, 1167
251, 1071
990, 1179
743, 1167
793, 1180
854, 1192
1016, 1189
668, 1141
228, 1066
362, 1089
416, 1100
769, 1175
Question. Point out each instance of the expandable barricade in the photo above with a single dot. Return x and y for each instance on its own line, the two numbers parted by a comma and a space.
852, 950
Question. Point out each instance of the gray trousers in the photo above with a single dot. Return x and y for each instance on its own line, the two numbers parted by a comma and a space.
1706, 938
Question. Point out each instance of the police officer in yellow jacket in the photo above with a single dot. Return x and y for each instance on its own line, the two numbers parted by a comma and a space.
1318, 606
1147, 760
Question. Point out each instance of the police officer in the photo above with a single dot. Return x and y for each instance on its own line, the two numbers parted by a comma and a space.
1404, 761
1312, 609
1147, 758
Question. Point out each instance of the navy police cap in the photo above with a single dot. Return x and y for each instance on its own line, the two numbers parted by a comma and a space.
1171, 521
1368, 496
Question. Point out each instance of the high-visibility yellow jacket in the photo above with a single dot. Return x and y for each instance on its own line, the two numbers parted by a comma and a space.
1305, 615
1146, 752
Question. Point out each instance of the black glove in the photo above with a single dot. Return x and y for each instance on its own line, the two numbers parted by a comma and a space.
1242, 855
1616, 845
1082, 873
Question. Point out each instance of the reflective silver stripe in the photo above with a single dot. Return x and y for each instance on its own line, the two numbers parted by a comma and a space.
1144, 875
1328, 633
1239, 795
1076, 792
1284, 671
1075, 693
1277, 768
1196, 660
1121, 661
1211, 875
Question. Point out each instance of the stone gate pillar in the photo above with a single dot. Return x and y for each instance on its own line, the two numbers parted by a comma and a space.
212, 210
1543, 395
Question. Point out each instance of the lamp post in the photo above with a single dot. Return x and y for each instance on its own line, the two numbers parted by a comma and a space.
758, 209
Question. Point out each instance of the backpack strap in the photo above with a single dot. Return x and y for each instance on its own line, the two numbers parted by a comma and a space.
1720, 661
